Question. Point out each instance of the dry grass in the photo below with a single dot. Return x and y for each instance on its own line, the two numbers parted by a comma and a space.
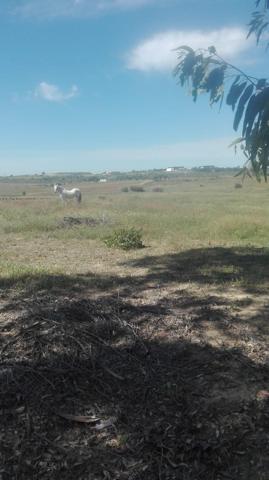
184, 215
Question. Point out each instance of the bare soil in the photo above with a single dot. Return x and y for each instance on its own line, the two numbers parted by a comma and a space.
160, 376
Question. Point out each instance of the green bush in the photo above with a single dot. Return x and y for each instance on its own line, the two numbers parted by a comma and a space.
125, 189
125, 238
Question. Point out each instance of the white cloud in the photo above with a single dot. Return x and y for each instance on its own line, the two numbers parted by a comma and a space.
49, 9
52, 93
157, 52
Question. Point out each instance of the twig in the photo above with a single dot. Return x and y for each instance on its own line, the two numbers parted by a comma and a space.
119, 377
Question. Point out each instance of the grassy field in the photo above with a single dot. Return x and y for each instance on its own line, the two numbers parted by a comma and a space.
139, 365
191, 212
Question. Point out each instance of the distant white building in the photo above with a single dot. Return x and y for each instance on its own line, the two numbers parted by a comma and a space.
103, 180
176, 169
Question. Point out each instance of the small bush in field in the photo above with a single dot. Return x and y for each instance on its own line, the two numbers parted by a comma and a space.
238, 185
157, 189
125, 189
23, 194
136, 188
125, 238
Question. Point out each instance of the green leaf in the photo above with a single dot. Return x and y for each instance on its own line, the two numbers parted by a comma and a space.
243, 171
198, 75
188, 64
234, 93
212, 49
261, 30
241, 105
214, 79
261, 83
256, 105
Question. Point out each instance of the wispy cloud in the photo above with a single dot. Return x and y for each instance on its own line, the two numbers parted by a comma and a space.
157, 52
49, 9
52, 93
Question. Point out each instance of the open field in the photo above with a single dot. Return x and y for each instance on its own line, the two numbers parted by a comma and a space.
168, 343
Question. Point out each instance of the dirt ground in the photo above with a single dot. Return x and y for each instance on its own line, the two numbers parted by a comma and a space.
158, 376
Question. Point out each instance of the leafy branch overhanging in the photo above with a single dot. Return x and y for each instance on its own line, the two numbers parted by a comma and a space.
205, 71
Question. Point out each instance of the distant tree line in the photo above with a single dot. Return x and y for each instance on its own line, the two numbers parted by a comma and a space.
153, 175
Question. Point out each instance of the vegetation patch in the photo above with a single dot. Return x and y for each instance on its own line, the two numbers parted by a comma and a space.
77, 221
125, 238
137, 188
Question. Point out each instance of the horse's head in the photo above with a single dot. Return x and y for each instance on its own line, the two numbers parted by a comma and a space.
57, 188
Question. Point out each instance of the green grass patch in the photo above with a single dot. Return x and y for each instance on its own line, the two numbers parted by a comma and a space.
33, 279
125, 239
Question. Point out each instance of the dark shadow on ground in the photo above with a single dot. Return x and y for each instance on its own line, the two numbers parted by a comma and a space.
217, 265
180, 408
246, 266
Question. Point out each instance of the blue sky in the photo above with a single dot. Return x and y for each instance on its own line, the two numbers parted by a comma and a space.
87, 84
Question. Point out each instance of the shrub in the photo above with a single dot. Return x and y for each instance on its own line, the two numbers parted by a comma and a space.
125, 238
125, 189
238, 185
23, 194
137, 188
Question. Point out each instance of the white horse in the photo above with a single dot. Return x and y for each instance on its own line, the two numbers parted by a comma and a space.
67, 194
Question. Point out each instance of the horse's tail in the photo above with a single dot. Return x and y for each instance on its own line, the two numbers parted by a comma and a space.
79, 196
